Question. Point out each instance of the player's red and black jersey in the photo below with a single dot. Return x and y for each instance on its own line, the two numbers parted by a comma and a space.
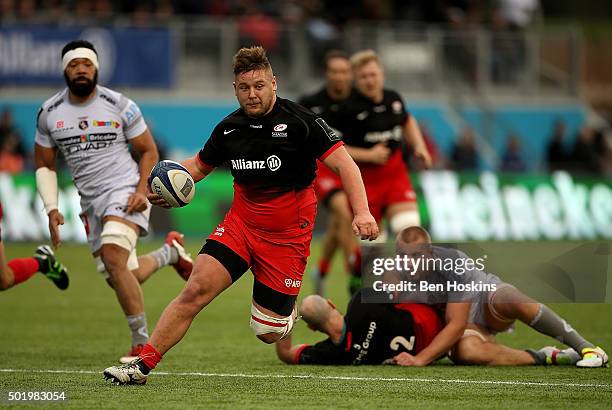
322, 105
364, 123
276, 153
375, 332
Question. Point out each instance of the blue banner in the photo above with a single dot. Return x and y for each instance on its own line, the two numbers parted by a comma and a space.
128, 56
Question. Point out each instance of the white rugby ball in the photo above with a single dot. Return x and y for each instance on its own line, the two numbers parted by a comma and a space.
173, 182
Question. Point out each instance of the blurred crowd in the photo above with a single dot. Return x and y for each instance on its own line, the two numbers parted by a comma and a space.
590, 152
506, 13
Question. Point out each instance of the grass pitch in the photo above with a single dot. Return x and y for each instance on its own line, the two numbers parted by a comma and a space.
61, 341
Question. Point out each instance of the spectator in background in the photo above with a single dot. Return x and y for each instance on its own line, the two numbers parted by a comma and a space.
557, 156
512, 160
584, 156
465, 154
12, 151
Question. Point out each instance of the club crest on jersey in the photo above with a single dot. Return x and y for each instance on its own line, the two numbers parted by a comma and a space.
83, 124
396, 106
59, 124
278, 131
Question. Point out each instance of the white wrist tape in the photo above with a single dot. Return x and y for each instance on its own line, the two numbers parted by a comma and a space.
46, 183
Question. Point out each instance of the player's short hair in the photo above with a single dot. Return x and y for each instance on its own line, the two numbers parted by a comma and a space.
361, 58
315, 310
413, 235
331, 54
251, 58
73, 45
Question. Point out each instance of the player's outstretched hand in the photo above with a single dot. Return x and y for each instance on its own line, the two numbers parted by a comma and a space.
158, 200
406, 359
55, 220
137, 202
364, 225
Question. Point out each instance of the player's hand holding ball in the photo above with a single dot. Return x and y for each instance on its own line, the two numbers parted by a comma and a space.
171, 185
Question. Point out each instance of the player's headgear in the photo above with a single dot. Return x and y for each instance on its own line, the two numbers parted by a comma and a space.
263, 324
79, 49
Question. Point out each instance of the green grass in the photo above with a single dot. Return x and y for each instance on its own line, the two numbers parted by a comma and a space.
83, 328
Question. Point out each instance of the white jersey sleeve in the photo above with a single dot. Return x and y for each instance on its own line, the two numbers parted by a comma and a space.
131, 117
43, 134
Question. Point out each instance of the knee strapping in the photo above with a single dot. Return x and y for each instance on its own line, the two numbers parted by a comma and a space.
264, 324
117, 233
404, 220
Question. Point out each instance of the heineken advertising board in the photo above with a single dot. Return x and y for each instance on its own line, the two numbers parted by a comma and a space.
453, 206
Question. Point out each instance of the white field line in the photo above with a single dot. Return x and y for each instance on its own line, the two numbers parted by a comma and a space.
319, 377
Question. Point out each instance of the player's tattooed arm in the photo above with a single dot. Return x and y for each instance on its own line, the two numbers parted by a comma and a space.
145, 148
414, 139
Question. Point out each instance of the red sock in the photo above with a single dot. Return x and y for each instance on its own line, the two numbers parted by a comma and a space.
150, 356
323, 267
23, 268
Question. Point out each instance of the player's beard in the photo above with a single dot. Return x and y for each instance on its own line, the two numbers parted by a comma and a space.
84, 88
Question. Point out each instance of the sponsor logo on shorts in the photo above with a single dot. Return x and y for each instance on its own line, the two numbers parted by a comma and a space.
219, 231
292, 283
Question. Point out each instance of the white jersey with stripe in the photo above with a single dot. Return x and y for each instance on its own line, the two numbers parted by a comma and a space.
93, 137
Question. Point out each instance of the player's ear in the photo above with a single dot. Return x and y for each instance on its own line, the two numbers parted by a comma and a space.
274, 83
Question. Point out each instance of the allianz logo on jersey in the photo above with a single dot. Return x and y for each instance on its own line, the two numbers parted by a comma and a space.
381, 136
272, 163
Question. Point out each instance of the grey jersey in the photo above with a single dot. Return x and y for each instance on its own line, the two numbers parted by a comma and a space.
93, 137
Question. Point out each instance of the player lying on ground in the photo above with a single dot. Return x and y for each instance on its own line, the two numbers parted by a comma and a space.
369, 333
272, 145
94, 128
374, 333
326, 103
470, 328
19, 270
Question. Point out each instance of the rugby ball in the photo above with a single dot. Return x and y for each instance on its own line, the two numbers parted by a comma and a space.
173, 182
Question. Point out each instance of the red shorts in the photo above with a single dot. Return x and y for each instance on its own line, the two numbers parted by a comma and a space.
427, 323
326, 183
387, 184
272, 236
